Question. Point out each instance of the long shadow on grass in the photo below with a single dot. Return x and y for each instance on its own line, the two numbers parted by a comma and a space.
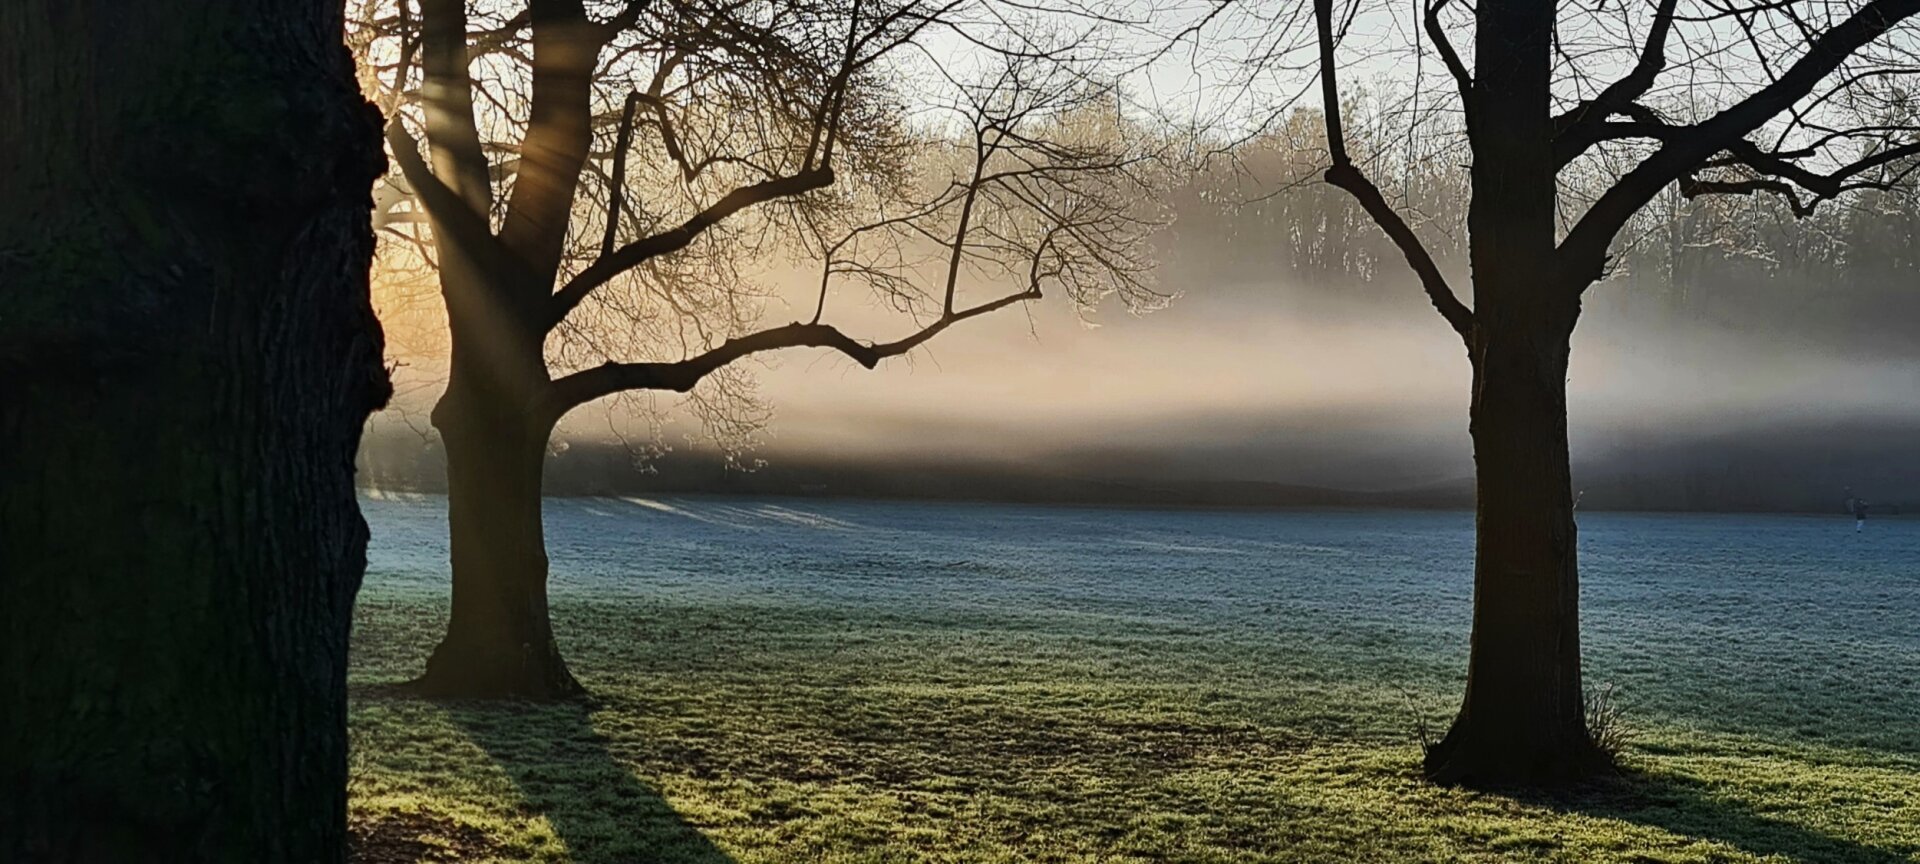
1689, 808
565, 771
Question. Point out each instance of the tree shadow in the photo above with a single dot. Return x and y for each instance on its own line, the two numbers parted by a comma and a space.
1688, 807
566, 771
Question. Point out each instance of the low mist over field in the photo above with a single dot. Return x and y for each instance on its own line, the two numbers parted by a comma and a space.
1754, 387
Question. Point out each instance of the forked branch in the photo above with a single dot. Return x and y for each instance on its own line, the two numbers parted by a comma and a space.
1345, 175
638, 252
1462, 79
1803, 189
1581, 126
1685, 149
1051, 205
607, 379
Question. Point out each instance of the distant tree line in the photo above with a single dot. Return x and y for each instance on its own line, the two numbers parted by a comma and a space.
1257, 208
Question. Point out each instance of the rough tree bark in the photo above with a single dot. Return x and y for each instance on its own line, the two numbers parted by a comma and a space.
187, 355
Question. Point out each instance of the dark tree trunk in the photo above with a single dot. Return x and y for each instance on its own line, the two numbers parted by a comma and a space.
1523, 719
187, 355
494, 418
499, 641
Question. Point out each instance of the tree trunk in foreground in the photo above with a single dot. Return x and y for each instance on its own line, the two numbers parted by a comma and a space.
1523, 719
187, 355
499, 641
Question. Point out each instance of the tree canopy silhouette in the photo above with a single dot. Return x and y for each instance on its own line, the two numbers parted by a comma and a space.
591, 182
1572, 118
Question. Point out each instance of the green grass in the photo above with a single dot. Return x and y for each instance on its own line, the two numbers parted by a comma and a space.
727, 730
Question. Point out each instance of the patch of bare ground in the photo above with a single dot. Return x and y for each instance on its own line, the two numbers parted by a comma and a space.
414, 838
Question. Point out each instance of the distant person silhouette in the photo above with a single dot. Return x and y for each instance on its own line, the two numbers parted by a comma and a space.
1859, 514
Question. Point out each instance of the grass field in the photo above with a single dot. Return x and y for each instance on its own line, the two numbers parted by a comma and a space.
779, 681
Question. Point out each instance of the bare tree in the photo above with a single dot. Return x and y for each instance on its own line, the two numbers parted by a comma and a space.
187, 357
594, 179
1573, 118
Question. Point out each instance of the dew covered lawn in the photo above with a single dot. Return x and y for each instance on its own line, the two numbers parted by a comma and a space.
801, 680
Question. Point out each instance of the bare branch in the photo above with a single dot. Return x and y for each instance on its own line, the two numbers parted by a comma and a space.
450, 129
625, 18
617, 183
607, 379
1584, 251
566, 46
639, 251
1782, 177
1577, 129
1462, 79
1346, 176
457, 227
448, 210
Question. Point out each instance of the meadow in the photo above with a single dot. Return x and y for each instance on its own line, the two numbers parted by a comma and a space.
842, 681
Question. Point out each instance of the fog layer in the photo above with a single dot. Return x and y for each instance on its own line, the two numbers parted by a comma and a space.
1711, 379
